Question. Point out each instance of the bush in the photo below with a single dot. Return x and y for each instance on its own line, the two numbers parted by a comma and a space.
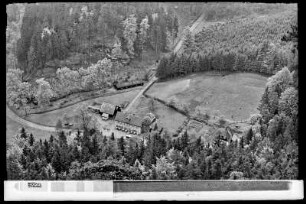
222, 121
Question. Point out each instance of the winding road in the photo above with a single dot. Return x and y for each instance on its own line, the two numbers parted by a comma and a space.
24, 122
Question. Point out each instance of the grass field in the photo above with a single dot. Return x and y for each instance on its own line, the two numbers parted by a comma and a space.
167, 117
51, 118
12, 129
234, 96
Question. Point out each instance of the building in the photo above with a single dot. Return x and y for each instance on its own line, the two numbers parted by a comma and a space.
149, 122
120, 86
108, 110
128, 123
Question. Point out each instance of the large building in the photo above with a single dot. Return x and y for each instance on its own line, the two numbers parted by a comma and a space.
129, 123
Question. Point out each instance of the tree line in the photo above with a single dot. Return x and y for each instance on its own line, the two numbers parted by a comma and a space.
263, 61
24, 94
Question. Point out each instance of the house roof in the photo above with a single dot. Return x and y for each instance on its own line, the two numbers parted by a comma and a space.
130, 119
107, 108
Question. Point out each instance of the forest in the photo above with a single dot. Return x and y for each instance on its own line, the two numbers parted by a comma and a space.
268, 150
51, 32
252, 44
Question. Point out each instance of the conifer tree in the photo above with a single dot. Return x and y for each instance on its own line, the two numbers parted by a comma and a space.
121, 146
31, 139
94, 145
23, 133
189, 43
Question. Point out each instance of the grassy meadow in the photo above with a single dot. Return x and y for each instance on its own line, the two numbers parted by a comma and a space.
235, 96
12, 129
167, 117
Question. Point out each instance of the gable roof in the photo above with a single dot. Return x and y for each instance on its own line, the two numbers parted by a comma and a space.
127, 118
108, 108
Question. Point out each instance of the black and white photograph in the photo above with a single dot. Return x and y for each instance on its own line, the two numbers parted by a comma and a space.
135, 93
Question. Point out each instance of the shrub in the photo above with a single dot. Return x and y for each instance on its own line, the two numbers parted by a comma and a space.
222, 121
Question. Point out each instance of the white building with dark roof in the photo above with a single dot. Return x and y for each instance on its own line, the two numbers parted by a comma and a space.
129, 123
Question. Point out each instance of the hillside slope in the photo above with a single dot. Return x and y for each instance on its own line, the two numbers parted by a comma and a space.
78, 34
235, 41
244, 33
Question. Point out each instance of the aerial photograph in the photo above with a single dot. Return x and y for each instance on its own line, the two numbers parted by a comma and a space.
152, 91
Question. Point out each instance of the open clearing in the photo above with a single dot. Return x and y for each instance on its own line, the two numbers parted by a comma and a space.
51, 118
12, 129
235, 96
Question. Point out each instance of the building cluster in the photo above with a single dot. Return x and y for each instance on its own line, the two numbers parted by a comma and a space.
129, 123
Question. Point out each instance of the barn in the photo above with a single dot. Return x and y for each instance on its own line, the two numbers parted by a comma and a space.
126, 85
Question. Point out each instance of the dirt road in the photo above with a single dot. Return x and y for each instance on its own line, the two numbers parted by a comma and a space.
195, 27
22, 121
139, 94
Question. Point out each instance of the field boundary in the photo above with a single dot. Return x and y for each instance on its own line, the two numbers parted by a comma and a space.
192, 117
180, 111
223, 73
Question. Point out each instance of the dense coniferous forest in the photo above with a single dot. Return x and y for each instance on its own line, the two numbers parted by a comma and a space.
253, 43
86, 47
268, 45
57, 31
